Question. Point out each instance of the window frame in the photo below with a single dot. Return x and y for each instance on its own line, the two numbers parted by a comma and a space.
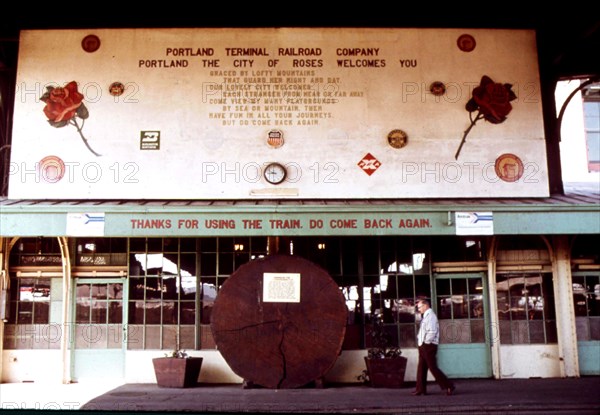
587, 325
514, 329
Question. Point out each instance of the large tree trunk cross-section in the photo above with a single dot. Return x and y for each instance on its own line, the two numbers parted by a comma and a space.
279, 344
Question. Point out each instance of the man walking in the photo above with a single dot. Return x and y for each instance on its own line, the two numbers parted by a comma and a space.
428, 340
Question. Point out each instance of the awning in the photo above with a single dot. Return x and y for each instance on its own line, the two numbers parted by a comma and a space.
575, 212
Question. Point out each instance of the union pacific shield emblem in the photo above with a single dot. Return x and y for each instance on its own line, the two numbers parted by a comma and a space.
275, 138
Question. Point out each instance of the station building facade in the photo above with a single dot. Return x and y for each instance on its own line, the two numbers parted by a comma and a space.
101, 273
521, 303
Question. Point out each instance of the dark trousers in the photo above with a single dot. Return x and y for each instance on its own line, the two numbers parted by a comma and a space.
428, 361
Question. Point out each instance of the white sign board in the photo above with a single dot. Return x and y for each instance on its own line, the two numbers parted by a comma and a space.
474, 223
85, 224
216, 113
281, 287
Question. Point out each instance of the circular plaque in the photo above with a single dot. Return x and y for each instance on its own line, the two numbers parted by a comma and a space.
397, 138
509, 167
437, 88
90, 43
466, 43
116, 89
51, 169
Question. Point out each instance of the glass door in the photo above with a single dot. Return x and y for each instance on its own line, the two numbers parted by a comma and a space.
462, 309
98, 332
586, 300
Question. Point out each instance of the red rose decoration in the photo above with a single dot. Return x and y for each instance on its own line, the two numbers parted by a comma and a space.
62, 103
63, 106
492, 101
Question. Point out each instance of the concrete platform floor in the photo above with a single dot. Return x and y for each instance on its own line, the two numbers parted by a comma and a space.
473, 396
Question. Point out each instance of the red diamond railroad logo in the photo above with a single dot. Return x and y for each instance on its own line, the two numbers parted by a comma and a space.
369, 164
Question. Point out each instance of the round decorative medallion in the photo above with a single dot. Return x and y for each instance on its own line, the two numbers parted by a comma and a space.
509, 167
90, 43
397, 138
51, 169
437, 88
466, 43
116, 89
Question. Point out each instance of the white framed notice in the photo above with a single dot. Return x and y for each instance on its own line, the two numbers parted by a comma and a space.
474, 223
85, 224
281, 287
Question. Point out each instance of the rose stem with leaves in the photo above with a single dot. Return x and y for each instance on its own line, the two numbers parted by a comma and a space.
464, 138
79, 130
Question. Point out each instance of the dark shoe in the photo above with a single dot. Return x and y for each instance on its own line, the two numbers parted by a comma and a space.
450, 390
417, 393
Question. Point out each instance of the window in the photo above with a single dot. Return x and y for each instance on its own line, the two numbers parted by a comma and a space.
458, 248
526, 308
585, 258
586, 300
35, 295
101, 251
33, 317
460, 308
30, 301
162, 294
36, 252
99, 315
378, 276
173, 283
396, 272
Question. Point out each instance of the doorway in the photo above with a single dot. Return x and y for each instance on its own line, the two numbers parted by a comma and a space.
99, 329
463, 313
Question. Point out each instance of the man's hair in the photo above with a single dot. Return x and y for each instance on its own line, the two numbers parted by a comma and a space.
424, 301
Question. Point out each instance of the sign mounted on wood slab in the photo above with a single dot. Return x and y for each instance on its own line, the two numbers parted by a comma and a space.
279, 344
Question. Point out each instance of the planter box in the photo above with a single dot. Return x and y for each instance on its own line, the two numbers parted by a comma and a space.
386, 373
172, 372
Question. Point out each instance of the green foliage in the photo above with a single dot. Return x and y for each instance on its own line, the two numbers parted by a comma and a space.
178, 354
381, 346
381, 342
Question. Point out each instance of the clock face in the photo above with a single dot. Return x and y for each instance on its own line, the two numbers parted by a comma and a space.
275, 173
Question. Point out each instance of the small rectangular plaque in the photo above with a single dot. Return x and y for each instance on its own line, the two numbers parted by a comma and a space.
281, 287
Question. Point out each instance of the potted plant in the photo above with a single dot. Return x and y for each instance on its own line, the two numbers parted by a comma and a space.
177, 369
386, 366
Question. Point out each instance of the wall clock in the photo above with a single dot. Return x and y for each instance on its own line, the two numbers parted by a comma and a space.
275, 173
